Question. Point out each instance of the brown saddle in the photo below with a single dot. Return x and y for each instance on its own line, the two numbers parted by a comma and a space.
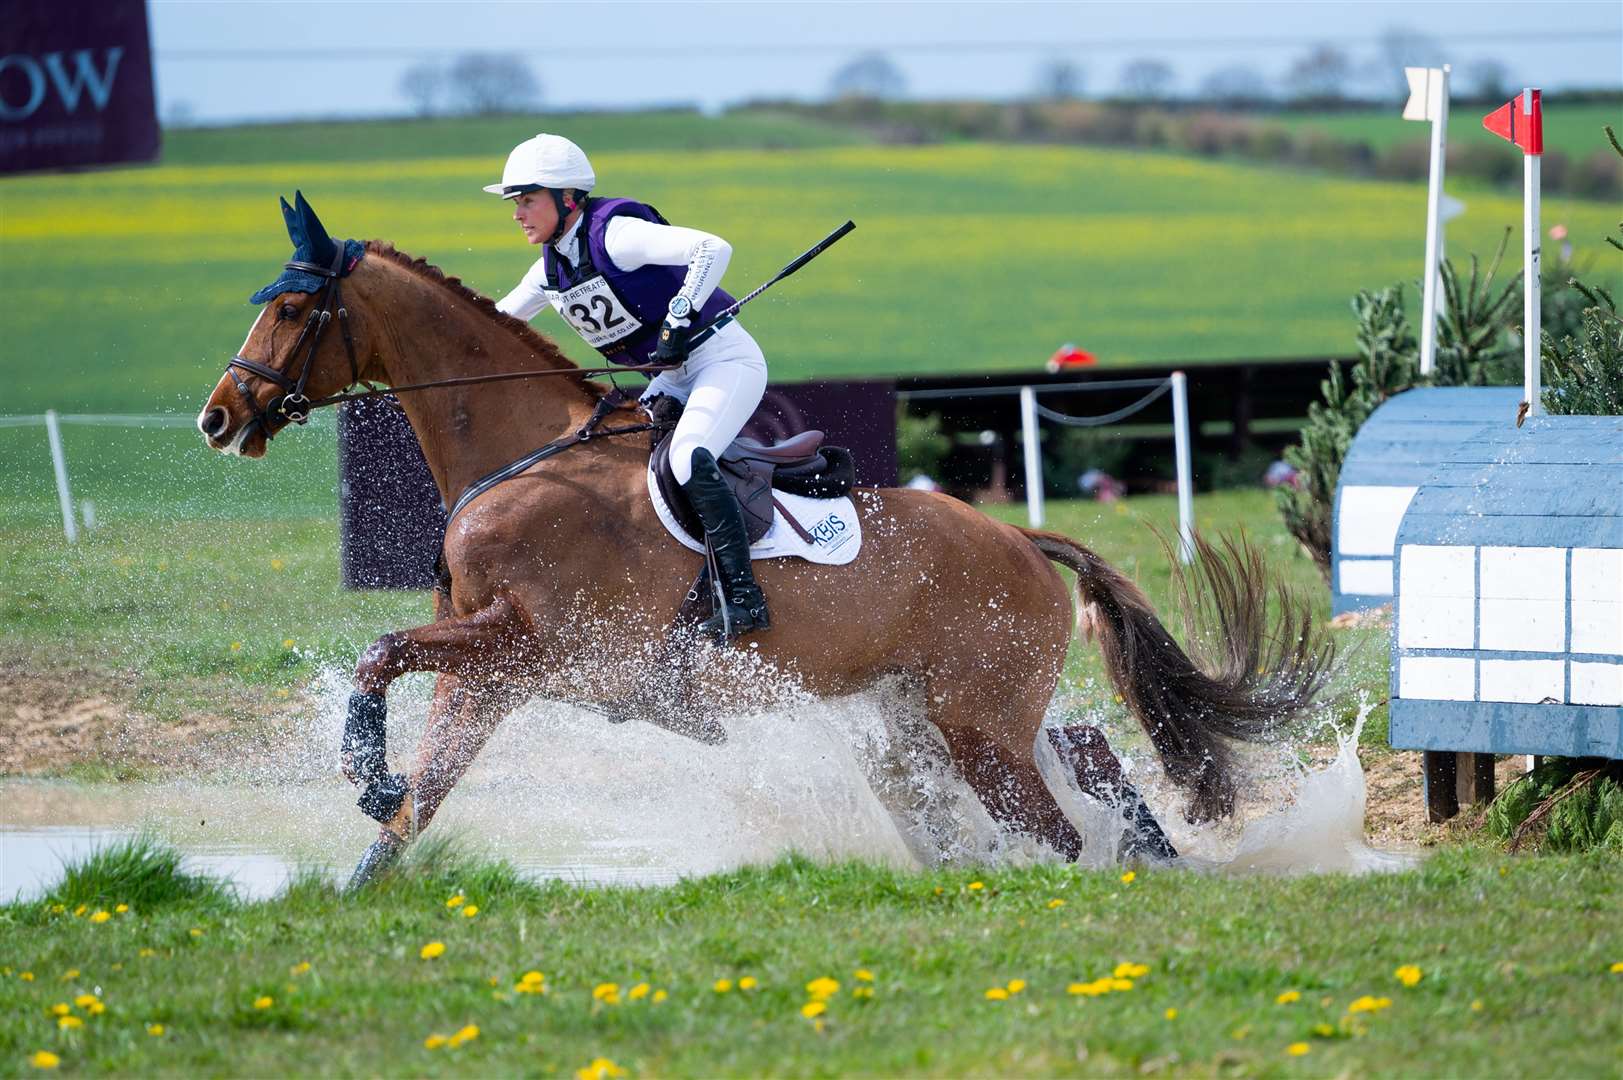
799, 465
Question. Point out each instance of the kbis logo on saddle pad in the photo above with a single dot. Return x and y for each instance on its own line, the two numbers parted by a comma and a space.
832, 530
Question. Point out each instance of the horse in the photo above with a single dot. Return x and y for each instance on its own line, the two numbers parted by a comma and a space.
562, 583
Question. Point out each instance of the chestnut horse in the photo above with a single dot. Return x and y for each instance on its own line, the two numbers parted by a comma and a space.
562, 583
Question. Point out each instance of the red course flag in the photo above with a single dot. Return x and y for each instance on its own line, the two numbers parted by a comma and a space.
1520, 122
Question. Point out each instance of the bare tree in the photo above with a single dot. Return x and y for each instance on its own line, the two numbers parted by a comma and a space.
423, 84
483, 83
1234, 85
1059, 80
1400, 47
1147, 80
871, 75
1321, 74
1488, 79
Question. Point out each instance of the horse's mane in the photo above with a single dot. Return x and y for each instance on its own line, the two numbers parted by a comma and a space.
484, 304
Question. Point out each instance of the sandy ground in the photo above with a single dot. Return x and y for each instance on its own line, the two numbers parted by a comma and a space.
55, 719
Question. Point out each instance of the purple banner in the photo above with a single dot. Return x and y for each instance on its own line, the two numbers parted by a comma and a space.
75, 84
391, 524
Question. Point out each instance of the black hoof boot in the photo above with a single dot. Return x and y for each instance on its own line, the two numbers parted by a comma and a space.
365, 757
1144, 838
378, 858
742, 605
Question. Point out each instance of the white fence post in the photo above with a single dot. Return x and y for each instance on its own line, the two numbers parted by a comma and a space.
1180, 439
1531, 284
54, 432
1034, 459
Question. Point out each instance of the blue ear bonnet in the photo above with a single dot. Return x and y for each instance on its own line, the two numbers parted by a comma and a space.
310, 244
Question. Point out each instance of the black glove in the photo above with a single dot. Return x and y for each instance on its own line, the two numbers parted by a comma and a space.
673, 344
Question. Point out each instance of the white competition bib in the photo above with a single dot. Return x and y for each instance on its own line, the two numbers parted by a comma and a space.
595, 312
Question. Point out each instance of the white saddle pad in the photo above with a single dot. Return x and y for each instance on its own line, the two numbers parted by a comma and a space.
835, 530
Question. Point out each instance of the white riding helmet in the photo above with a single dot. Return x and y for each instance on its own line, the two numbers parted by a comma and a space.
546, 161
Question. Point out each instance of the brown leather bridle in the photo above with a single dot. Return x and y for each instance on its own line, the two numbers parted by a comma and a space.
292, 405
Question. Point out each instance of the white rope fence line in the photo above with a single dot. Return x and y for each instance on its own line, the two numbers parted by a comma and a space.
1176, 384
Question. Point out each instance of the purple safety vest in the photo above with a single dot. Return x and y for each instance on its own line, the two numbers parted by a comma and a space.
618, 312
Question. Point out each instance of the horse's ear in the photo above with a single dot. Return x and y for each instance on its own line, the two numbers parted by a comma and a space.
321, 247
294, 232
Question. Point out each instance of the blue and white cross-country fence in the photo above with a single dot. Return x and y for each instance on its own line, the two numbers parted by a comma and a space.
1508, 620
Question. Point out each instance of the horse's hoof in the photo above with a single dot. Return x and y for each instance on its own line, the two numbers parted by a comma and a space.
378, 858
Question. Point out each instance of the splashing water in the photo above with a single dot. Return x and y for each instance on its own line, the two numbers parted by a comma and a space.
561, 793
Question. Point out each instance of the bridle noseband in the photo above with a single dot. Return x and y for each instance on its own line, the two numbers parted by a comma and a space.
292, 405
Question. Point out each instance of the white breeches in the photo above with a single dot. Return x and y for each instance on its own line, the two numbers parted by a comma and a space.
720, 386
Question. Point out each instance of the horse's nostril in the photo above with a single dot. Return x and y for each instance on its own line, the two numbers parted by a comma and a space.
213, 422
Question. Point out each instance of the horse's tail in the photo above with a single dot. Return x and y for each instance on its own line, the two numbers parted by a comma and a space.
1254, 680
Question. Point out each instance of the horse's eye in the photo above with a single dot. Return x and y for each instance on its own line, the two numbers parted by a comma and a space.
287, 312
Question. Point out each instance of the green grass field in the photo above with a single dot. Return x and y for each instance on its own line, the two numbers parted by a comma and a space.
1574, 129
124, 290
806, 970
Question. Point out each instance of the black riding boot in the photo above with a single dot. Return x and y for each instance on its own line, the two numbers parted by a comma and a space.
723, 520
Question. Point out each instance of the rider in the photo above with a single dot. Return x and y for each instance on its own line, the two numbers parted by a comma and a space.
633, 285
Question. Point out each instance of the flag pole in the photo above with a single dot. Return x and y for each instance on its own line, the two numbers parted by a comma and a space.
1437, 106
1531, 283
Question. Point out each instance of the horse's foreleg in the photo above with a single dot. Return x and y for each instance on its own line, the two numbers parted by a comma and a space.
477, 649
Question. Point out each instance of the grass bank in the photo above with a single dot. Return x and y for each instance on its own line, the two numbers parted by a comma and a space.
125, 290
1005, 972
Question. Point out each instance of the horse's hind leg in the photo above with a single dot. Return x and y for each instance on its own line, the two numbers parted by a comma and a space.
992, 739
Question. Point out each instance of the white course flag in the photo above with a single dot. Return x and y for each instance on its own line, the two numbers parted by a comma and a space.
1426, 93
1428, 101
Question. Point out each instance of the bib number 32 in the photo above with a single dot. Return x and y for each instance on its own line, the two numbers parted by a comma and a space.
596, 313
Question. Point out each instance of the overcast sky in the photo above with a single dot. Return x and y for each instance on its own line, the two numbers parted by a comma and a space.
231, 59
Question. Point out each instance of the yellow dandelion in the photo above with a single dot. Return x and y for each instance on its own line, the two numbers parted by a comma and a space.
822, 988
1055, 904
1289, 997
976, 886
466, 1034
748, 982
95, 1008
277, 564
721, 986
813, 1009
434, 1042
1129, 877
1121, 984
68, 1023
599, 1069
1408, 975
300, 968
456, 901
71, 973
1617, 968
470, 911
61, 1008
1297, 1049
144, 953
121, 909
862, 991
58, 909
1171, 1014
78, 911
608, 993
1130, 970
660, 995
997, 993
1323, 1031
196, 931
431, 950
44, 1059
26, 976
1368, 1004
155, 1030
529, 978
640, 991
264, 1002
236, 646
1016, 985
1476, 1006
863, 975
101, 916
287, 643
1240, 1033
